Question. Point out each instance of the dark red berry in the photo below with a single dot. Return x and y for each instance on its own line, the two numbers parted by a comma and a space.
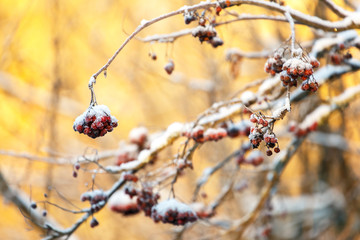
268, 152
77, 166
169, 67
277, 150
94, 223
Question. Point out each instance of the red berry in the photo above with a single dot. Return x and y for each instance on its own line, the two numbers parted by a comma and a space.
75, 174
268, 152
86, 130
79, 128
277, 150
77, 166
99, 125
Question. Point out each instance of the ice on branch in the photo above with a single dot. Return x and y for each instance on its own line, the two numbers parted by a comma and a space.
174, 212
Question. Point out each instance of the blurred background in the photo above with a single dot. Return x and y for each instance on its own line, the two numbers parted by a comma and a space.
49, 50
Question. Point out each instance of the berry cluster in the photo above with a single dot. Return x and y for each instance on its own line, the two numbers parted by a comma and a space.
146, 200
202, 212
125, 157
300, 132
293, 68
174, 212
254, 158
338, 55
238, 129
132, 192
200, 135
258, 120
271, 141
95, 122
208, 34
138, 136
96, 198
131, 178
274, 64
189, 17
261, 132
296, 68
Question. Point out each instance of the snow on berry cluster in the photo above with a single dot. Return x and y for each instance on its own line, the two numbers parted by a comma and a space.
202, 211
301, 131
274, 64
241, 128
254, 158
97, 199
207, 34
261, 132
138, 140
293, 68
95, 122
340, 53
200, 135
174, 212
298, 68
122, 203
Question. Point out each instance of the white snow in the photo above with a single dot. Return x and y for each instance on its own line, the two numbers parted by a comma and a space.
248, 97
137, 133
316, 116
98, 111
268, 85
120, 198
174, 205
223, 113
144, 21
279, 113
347, 95
173, 131
205, 176
324, 43
254, 154
92, 81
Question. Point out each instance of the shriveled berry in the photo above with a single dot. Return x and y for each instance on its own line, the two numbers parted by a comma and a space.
94, 223
33, 205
